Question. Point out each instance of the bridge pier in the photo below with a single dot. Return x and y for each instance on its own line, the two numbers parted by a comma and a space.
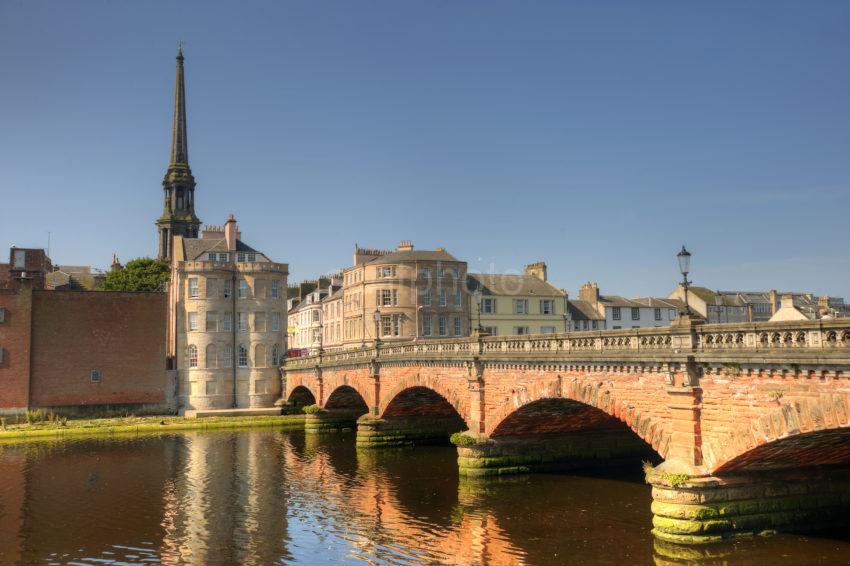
373, 432
481, 456
331, 420
698, 510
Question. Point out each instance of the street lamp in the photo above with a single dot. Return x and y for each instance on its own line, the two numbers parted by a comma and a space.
377, 316
684, 257
477, 295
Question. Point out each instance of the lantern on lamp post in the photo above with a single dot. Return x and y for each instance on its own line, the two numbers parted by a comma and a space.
684, 257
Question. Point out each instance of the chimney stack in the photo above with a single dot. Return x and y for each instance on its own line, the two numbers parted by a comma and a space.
772, 295
405, 246
537, 270
589, 292
230, 233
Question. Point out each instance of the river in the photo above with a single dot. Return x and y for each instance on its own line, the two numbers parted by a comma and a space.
274, 497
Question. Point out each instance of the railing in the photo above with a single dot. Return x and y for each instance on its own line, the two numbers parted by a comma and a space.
806, 339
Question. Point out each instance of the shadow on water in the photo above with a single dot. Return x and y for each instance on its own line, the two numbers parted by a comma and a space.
266, 497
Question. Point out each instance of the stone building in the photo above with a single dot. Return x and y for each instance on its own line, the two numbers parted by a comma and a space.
518, 304
403, 294
306, 319
614, 312
227, 314
332, 319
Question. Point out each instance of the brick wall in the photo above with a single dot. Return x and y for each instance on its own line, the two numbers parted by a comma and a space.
122, 335
15, 343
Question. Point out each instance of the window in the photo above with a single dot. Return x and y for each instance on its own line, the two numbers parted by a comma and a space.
212, 256
243, 289
223, 257
615, 314
275, 289
252, 258
521, 306
193, 321
547, 330
227, 322
635, 313
491, 330
426, 326
443, 326
595, 324
193, 287
442, 297
276, 359
94, 376
488, 306
521, 330
547, 306
212, 321
240, 257
457, 298
193, 356
315, 317
425, 272
441, 272
260, 321
228, 289
20, 259
657, 314
211, 287
455, 272
212, 356
426, 297
2, 315
275, 322
242, 321
260, 288
227, 357
457, 326
671, 313
242, 361
584, 324
386, 297
386, 271
260, 356
386, 325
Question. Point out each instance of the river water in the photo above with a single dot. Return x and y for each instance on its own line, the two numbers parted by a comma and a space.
275, 497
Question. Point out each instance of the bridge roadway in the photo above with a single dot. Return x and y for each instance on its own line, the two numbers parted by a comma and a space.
749, 423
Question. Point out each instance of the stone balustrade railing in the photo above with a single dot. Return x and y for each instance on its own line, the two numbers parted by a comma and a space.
788, 342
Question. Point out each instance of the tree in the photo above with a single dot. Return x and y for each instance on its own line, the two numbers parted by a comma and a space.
141, 274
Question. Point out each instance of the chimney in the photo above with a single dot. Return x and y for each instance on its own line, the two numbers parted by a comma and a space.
772, 295
823, 302
589, 292
441, 250
405, 246
787, 301
230, 233
536, 270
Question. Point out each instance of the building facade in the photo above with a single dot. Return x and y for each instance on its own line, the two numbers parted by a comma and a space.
227, 333
518, 304
616, 312
757, 306
403, 294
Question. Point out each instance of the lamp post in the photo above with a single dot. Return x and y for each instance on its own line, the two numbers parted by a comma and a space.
684, 257
377, 316
477, 295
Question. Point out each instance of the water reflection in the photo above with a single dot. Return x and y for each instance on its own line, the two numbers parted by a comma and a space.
266, 497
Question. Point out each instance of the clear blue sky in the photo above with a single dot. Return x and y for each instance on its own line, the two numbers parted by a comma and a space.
597, 136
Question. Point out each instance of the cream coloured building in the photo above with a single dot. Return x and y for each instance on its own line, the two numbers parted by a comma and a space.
227, 315
518, 304
403, 294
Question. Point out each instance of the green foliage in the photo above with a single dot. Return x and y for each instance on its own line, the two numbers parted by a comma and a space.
139, 275
311, 409
775, 394
676, 480
462, 439
36, 416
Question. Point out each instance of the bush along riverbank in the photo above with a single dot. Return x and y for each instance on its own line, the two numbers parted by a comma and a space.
40, 425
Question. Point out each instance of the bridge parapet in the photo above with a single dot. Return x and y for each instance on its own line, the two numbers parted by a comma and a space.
804, 342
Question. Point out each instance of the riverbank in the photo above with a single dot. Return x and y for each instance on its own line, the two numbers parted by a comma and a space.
21, 432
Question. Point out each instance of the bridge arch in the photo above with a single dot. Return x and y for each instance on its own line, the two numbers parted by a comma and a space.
301, 396
442, 388
602, 408
796, 434
347, 398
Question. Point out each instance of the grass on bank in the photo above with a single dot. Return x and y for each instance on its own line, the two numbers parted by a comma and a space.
47, 425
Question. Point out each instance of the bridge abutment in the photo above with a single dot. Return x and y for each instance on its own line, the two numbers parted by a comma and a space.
480, 456
699, 510
373, 432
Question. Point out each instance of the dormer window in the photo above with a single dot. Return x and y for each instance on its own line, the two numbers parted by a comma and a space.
212, 256
252, 258
240, 257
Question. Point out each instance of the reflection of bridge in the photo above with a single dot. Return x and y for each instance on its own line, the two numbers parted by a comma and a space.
733, 410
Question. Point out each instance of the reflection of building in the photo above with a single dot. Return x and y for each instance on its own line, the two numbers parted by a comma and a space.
416, 294
226, 320
518, 304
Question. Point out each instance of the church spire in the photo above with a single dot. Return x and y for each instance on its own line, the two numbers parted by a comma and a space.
179, 140
178, 213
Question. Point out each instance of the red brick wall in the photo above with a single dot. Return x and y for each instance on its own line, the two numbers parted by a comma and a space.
120, 334
15, 341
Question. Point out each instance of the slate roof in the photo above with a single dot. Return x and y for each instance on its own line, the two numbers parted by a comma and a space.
196, 247
512, 285
414, 255
583, 310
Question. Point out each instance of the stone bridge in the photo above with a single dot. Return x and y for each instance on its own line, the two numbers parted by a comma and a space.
749, 423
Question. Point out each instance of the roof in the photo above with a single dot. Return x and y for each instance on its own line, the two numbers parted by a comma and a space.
617, 301
514, 285
335, 295
414, 255
583, 310
196, 247
654, 302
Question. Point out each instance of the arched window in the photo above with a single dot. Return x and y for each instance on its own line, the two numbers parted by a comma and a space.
227, 357
193, 356
276, 355
242, 360
260, 356
212, 356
